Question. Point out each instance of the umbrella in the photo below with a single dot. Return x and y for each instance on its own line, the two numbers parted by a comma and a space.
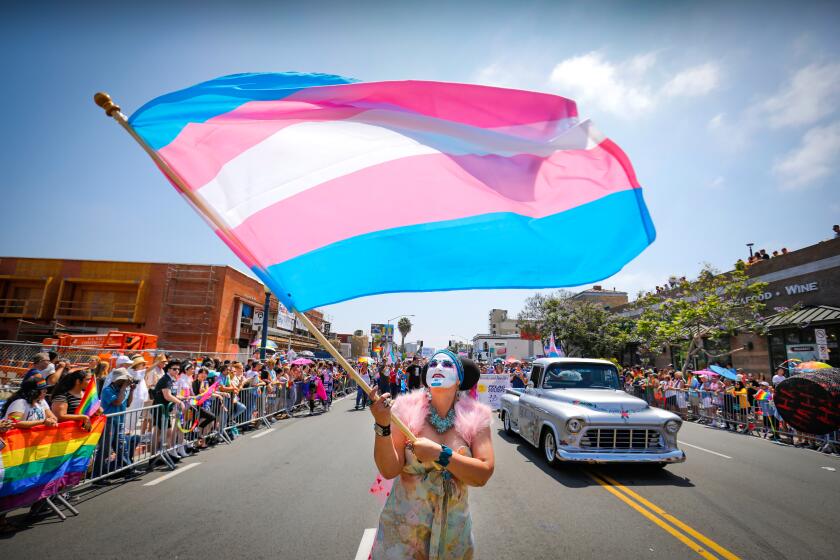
302, 362
512, 359
706, 372
722, 371
367, 359
812, 366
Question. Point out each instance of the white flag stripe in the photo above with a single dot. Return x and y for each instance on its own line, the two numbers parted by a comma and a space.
304, 155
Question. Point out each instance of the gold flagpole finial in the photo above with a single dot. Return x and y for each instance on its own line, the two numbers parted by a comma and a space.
104, 100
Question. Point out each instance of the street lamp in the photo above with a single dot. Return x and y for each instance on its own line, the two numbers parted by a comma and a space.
264, 340
750, 245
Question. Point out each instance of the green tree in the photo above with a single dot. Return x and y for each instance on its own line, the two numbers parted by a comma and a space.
404, 325
584, 329
687, 314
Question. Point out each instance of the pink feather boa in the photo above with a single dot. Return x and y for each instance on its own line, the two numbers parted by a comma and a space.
471, 416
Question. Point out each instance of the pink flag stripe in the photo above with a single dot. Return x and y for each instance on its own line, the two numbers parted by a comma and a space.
474, 105
368, 200
202, 150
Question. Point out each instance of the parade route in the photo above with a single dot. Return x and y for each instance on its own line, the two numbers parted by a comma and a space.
302, 492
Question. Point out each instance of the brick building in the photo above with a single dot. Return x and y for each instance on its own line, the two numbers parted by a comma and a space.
199, 308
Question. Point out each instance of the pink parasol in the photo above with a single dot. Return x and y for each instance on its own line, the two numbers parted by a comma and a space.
302, 362
705, 372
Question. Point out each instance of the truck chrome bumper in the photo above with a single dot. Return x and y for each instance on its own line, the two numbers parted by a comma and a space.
579, 456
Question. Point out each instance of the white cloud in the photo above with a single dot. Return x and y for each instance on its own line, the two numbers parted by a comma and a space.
815, 158
494, 74
812, 94
716, 121
624, 88
699, 80
641, 63
716, 183
591, 79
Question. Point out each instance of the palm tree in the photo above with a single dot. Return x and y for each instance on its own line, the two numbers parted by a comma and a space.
405, 327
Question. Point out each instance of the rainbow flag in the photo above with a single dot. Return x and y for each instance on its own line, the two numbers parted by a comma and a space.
90, 399
309, 172
41, 461
762, 395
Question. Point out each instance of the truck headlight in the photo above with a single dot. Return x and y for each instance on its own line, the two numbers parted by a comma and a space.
673, 426
574, 425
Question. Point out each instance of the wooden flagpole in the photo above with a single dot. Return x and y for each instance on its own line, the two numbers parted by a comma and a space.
113, 110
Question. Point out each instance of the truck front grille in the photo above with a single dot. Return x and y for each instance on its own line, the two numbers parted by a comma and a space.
621, 438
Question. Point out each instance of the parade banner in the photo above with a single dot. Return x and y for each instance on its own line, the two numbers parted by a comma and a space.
491, 387
41, 461
285, 320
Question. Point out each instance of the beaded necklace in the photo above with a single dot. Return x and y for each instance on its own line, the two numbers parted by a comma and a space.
441, 425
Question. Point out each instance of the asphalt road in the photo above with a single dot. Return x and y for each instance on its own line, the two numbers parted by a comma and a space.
301, 491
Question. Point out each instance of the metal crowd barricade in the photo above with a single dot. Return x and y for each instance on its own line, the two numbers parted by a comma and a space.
245, 408
129, 439
726, 410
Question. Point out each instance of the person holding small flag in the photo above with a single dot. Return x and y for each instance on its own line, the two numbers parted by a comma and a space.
67, 396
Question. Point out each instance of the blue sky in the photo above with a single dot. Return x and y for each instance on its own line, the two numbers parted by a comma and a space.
728, 110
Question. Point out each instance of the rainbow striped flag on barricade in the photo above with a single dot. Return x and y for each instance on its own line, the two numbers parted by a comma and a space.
90, 399
42, 461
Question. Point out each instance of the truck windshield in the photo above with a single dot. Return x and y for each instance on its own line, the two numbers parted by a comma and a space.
580, 376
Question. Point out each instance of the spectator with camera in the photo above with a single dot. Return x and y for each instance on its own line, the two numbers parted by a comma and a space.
116, 399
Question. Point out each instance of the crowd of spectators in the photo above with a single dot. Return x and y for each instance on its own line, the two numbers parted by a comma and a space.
141, 399
744, 404
146, 404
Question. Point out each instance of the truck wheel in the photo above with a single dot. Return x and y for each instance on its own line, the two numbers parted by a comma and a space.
548, 444
506, 423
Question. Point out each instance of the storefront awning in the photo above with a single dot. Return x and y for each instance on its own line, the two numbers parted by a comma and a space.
806, 315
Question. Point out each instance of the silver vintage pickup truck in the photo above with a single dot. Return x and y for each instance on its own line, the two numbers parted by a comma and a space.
573, 410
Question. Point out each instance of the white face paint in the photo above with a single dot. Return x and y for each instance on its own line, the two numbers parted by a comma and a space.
442, 372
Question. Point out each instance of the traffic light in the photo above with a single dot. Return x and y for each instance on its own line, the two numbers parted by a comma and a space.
421, 344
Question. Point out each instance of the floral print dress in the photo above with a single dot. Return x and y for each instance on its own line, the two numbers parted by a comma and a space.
425, 516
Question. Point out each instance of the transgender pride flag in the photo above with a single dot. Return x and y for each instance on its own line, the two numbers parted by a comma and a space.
320, 177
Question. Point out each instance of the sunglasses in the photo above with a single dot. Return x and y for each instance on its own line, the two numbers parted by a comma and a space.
446, 364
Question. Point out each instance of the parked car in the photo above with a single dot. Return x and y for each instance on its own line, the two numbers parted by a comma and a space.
574, 411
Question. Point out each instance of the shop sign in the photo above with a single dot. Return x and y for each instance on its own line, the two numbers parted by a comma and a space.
804, 352
790, 290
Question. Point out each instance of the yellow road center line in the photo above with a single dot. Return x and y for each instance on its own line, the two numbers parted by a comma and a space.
674, 521
664, 526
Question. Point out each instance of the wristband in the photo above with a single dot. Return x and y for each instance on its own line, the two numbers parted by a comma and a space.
445, 455
382, 431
